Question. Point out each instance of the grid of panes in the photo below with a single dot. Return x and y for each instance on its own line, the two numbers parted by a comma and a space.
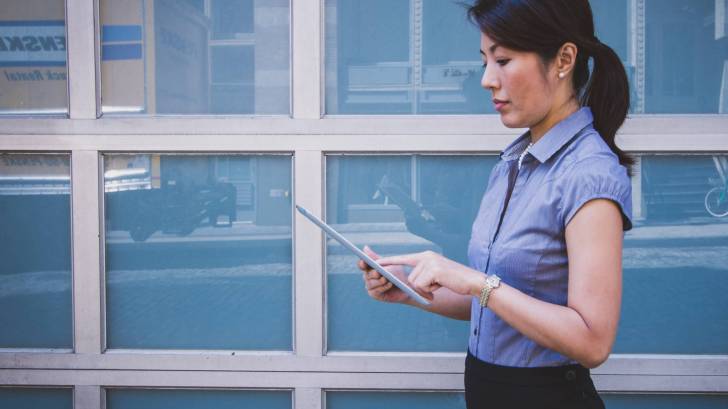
680, 223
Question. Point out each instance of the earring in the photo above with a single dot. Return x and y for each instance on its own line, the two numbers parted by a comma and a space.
562, 75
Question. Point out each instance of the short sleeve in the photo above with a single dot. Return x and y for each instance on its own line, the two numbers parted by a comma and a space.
596, 179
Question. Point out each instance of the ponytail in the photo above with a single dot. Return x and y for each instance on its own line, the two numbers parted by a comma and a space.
607, 94
543, 26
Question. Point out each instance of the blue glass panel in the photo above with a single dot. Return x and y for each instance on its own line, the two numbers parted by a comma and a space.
231, 57
665, 401
395, 400
373, 65
230, 18
36, 398
33, 57
676, 259
198, 251
35, 232
694, 33
366, 196
404, 57
196, 399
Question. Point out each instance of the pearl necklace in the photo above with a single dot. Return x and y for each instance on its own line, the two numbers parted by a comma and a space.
523, 154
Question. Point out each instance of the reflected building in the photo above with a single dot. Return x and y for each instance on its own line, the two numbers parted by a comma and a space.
394, 57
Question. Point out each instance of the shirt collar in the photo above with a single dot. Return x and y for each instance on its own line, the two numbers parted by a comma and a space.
558, 136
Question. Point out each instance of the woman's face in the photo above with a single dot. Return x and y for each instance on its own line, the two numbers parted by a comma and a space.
519, 83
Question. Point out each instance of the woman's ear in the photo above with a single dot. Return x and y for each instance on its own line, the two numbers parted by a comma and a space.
566, 59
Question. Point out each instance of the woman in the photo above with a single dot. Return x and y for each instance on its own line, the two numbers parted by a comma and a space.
543, 287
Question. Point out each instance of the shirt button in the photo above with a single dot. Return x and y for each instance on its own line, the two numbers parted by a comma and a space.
570, 375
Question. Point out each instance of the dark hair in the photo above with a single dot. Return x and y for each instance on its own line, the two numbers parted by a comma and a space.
543, 26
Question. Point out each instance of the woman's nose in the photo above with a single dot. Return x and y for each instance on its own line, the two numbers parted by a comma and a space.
489, 80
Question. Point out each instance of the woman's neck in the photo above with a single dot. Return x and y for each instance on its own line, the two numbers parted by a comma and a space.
554, 117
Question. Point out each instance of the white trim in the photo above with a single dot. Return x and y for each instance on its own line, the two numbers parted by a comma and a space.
82, 44
87, 397
315, 380
378, 144
308, 239
308, 398
85, 190
635, 125
306, 58
338, 362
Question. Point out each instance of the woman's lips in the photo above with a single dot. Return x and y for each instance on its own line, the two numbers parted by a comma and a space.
498, 104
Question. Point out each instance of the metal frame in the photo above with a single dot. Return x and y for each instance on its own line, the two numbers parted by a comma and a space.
309, 371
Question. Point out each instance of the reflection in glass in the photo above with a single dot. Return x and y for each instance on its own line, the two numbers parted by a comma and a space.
196, 399
395, 400
195, 56
397, 204
198, 251
35, 232
677, 249
36, 398
33, 57
693, 32
421, 56
652, 401
402, 57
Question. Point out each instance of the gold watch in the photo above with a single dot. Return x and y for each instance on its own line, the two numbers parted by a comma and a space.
492, 282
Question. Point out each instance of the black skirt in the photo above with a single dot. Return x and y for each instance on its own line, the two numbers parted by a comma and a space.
489, 386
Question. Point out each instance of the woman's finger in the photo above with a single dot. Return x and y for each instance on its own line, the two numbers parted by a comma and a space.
408, 259
415, 273
374, 283
381, 289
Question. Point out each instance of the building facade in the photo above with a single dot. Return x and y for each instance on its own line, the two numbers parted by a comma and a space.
151, 152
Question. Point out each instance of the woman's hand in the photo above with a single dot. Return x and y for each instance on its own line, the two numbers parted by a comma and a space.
432, 271
377, 285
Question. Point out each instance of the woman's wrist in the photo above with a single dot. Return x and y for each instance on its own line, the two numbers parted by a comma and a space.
477, 285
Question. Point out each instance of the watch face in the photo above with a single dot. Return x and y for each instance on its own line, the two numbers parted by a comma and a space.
493, 281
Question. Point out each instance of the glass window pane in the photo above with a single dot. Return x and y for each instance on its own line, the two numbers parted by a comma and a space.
397, 204
639, 401
677, 250
33, 57
420, 57
694, 33
402, 57
198, 251
195, 57
35, 232
36, 398
395, 400
196, 399
651, 35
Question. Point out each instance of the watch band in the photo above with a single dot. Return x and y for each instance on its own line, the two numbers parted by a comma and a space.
492, 282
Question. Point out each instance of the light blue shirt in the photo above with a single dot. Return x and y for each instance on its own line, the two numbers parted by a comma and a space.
569, 166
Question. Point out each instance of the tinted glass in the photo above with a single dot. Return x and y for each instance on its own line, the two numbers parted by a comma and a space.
638, 401
36, 398
195, 57
397, 204
677, 249
35, 232
394, 400
33, 57
198, 251
196, 399
421, 57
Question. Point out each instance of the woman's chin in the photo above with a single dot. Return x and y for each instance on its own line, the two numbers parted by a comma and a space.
509, 121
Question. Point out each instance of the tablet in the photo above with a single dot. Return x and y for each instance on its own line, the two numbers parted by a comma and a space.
362, 255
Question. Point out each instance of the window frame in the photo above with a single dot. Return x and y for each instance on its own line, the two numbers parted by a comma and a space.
309, 136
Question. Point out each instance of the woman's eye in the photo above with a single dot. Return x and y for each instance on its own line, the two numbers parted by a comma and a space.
502, 62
